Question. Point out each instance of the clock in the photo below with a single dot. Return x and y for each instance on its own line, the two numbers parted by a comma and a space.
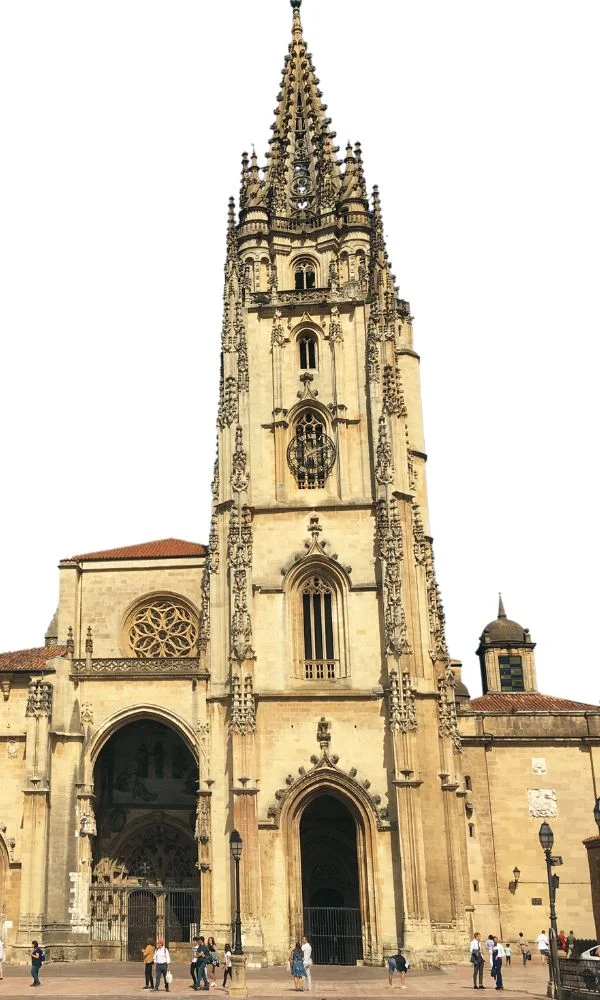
311, 453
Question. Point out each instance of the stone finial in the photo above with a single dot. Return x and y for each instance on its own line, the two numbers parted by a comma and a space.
89, 642
70, 642
501, 611
324, 733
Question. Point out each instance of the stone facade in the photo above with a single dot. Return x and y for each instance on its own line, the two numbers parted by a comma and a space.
291, 680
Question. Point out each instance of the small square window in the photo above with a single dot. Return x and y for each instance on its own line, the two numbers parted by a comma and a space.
511, 673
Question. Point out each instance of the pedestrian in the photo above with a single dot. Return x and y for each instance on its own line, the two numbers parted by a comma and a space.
227, 964
1, 959
193, 957
498, 955
307, 954
37, 958
523, 944
148, 953
507, 952
202, 960
570, 944
478, 961
397, 963
561, 940
490, 947
297, 967
543, 945
214, 961
162, 961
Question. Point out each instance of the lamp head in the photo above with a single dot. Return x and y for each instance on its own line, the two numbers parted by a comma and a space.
235, 845
516, 874
597, 813
546, 836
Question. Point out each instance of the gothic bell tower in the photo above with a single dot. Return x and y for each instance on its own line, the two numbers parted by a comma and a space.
320, 601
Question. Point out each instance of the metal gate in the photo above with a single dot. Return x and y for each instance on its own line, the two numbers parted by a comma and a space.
124, 918
334, 934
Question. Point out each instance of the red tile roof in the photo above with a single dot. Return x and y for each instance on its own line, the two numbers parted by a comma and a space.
165, 548
529, 702
29, 660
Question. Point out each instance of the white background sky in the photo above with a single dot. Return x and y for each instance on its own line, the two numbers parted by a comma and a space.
122, 123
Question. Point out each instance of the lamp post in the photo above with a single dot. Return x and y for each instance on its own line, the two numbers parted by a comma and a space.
547, 842
236, 846
238, 959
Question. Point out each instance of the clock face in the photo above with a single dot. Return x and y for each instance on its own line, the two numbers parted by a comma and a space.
311, 453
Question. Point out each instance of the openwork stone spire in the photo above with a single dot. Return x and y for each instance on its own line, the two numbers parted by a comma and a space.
302, 180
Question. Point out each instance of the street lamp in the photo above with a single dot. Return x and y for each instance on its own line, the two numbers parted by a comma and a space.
236, 845
597, 813
547, 842
516, 875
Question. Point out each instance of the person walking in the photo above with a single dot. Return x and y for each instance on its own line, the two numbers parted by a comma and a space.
227, 964
162, 961
523, 944
213, 961
37, 958
543, 945
498, 955
193, 957
507, 952
297, 967
478, 961
561, 941
397, 963
490, 947
148, 953
307, 956
202, 960
570, 944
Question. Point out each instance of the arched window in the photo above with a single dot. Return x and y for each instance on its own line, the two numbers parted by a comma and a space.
308, 351
468, 783
311, 453
320, 661
305, 275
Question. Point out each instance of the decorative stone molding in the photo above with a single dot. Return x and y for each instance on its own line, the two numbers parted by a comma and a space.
391, 550
5, 689
403, 714
437, 617
39, 699
213, 544
315, 546
167, 666
447, 720
215, 480
335, 326
538, 765
87, 714
203, 730
373, 352
228, 403
12, 749
243, 706
239, 474
384, 468
542, 802
278, 337
202, 826
419, 541
323, 733
393, 394
320, 767
204, 629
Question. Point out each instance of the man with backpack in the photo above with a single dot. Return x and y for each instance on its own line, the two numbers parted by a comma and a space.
37, 957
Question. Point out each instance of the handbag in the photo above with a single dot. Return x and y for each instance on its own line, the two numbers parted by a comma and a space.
528, 956
214, 959
169, 977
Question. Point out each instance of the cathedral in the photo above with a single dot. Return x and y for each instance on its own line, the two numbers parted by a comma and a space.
290, 679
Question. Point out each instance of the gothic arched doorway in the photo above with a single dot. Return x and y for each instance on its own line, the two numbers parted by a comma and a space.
145, 881
330, 881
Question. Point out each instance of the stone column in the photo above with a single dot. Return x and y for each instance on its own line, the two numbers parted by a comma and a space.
35, 816
592, 846
403, 725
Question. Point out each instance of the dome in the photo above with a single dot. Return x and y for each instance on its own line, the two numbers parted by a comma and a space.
504, 630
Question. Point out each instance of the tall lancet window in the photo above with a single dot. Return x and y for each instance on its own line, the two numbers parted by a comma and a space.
308, 352
319, 649
305, 275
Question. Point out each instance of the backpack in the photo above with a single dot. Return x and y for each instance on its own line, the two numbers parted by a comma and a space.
42, 955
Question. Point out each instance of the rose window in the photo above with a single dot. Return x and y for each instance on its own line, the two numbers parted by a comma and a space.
163, 627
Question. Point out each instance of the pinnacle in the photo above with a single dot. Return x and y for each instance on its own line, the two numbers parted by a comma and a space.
501, 611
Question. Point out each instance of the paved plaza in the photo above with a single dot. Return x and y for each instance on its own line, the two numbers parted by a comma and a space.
86, 981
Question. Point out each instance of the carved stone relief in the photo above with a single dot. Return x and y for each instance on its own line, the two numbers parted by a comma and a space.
373, 352
447, 720
542, 802
538, 765
39, 699
87, 714
243, 706
437, 617
239, 475
391, 550
384, 468
12, 749
403, 715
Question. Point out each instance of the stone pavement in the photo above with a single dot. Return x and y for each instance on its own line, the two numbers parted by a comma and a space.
89, 981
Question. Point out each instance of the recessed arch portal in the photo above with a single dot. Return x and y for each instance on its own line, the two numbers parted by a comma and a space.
361, 827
